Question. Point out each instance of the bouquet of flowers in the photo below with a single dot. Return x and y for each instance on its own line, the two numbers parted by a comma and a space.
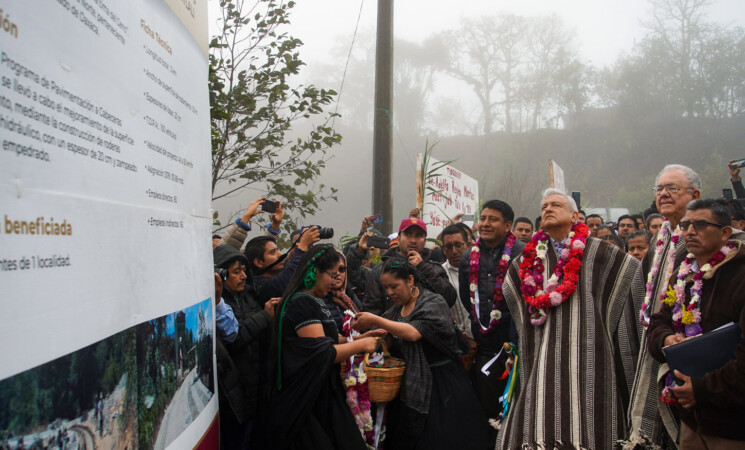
355, 384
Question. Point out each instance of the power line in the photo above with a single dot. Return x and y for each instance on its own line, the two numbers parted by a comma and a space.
346, 65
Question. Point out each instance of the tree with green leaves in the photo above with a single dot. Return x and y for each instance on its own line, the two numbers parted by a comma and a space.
256, 110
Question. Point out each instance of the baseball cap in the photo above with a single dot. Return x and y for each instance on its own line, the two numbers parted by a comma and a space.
412, 222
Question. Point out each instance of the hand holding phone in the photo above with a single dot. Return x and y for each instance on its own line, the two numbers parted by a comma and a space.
377, 218
576, 196
734, 168
269, 206
253, 209
737, 163
378, 242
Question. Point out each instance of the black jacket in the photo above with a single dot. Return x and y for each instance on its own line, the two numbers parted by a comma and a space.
738, 188
270, 287
433, 273
505, 331
248, 350
357, 274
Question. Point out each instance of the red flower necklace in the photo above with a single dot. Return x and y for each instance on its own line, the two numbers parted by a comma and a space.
504, 263
563, 281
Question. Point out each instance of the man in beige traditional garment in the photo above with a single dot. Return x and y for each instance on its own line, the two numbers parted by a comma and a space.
575, 350
650, 420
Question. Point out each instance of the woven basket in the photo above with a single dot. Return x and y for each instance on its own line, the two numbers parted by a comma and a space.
384, 382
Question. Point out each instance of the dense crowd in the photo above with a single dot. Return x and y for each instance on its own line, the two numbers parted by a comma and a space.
550, 334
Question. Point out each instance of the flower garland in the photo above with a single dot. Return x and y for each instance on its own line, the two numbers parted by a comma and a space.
357, 392
563, 281
504, 263
659, 246
687, 318
358, 400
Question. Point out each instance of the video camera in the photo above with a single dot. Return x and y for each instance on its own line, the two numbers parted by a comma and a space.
324, 232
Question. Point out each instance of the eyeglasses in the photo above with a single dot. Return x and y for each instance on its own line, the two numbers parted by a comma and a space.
671, 188
698, 225
337, 275
458, 245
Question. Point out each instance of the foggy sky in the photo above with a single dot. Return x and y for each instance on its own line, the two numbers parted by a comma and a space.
604, 30
604, 27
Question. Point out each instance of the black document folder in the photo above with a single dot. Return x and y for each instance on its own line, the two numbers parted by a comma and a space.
702, 354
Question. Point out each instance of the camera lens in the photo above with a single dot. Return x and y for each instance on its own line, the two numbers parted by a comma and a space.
222, 272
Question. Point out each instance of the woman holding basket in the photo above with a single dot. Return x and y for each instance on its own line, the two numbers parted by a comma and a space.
437, 407
308, 408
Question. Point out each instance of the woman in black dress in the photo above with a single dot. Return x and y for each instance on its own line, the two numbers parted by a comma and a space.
308, 408
437, 406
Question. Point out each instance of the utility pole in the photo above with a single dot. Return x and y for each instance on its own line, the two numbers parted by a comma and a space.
383, 131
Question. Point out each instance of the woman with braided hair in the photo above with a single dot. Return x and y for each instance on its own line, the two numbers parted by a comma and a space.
308, 408
437, 406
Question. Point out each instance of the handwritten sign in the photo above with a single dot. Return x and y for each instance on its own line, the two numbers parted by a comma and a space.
446, 195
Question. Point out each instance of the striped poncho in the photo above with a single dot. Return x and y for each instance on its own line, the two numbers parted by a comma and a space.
652, 424
577, 368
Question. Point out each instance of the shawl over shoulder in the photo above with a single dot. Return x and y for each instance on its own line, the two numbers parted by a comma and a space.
431, 317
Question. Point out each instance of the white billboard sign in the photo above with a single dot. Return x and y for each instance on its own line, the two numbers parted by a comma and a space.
105, 260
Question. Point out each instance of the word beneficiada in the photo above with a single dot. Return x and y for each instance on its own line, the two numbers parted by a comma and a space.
38, 227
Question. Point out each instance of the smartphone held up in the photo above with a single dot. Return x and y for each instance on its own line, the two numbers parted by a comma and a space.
378, 242
269, 206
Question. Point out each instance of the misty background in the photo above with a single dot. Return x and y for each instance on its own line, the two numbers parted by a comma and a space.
611, 91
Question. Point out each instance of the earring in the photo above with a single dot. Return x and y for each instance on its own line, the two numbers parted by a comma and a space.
412, 290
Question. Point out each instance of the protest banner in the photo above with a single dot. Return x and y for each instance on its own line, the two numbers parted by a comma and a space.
443, 192
105, 257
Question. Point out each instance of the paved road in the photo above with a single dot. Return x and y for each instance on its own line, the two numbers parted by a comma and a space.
185, 406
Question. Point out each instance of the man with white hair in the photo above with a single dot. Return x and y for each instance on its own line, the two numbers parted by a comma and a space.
571, 302
650, 420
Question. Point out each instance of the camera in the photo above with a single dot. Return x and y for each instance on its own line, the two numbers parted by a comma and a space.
737, 163
222, 272
324, 232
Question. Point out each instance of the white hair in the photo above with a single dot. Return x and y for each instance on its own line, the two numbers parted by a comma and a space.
693, 179
570, 201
